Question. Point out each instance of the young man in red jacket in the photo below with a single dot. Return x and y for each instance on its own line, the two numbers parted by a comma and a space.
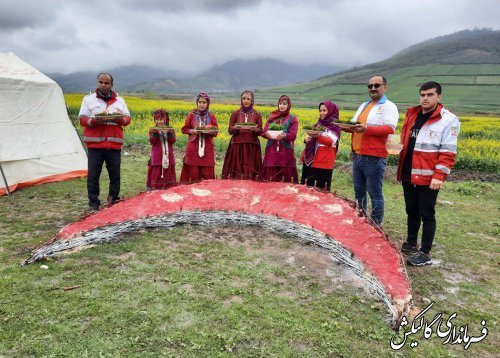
104, 139
429, 136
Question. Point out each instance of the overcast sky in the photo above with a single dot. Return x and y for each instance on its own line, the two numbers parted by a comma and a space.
192, 35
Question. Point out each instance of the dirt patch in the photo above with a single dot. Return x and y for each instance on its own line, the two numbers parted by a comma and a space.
277, 251
123, 257
233, 299
462, 175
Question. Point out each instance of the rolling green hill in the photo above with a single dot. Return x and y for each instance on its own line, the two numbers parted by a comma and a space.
466, 63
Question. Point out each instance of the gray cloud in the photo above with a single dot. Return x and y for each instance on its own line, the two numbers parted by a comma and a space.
190, 6
20, 14
193, 35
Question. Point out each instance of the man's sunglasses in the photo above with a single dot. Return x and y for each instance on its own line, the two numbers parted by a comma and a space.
376, 85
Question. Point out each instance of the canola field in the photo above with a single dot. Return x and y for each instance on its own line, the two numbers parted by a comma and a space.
478, 147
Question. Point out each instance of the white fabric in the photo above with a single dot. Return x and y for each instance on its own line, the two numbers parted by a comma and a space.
439, 136
164, 152
37, 138
332, 135
381, 114
201, 145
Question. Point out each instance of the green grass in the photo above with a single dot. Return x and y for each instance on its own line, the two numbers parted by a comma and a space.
462, 90
188, 292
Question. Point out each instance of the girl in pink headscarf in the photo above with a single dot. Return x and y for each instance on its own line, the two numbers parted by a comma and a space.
199, 159
243, 157
279, 159
318, 157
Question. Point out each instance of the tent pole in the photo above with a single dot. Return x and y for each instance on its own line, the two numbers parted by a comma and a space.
5, 180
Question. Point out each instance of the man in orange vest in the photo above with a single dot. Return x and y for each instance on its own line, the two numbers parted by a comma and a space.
378, 118
104, 138
429, 138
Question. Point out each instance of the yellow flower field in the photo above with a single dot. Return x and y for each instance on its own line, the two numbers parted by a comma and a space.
478, 149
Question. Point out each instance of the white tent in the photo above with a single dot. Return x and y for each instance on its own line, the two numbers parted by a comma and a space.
38, 143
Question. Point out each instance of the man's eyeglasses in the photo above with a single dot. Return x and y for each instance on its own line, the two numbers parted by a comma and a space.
372, 85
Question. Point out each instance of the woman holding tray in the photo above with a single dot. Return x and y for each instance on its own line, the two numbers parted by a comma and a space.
161, 166
318, 157
243, 157
201, 128
280, 131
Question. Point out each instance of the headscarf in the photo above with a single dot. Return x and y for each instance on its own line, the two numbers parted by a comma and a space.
197, 111
162, 113
329, 123
249, 109
277, 114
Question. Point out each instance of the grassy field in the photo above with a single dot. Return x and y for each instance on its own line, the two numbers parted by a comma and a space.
189, 292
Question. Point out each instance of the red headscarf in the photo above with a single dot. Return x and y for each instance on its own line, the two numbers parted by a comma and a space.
163, 114
202, 95
277, 114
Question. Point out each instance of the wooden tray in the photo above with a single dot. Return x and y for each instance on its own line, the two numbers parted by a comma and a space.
162, 129
206, 131
250, 126
107, 118
312, 132
346, 125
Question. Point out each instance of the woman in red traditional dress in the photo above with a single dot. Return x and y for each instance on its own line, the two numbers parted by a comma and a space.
161, 166
279, 159
199, 159
320, 152
243, 157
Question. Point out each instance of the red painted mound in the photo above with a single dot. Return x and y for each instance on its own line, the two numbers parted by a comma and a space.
301, 205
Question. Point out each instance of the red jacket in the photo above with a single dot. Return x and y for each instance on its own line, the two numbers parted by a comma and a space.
435, 148
107, 135
326, 152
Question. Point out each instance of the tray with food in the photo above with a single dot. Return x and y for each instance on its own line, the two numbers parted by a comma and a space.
162, 129
206, 129
105, 116
346, 124
248, 125
313, 131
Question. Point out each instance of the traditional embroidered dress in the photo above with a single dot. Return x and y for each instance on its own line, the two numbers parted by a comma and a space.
318, 157
279, 159
199, 159
244, 157
161, 167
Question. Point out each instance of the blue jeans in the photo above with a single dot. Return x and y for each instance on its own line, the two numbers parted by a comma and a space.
368, 174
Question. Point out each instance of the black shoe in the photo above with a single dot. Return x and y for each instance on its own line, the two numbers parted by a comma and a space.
94, 208
420, 259
408, 248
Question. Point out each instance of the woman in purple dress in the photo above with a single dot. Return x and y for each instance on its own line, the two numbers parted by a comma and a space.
279, 159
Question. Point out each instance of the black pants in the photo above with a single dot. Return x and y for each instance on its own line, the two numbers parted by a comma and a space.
320, 178
420, 201
112, 158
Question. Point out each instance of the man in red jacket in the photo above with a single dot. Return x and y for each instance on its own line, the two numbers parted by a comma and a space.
429, 137
104, 138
